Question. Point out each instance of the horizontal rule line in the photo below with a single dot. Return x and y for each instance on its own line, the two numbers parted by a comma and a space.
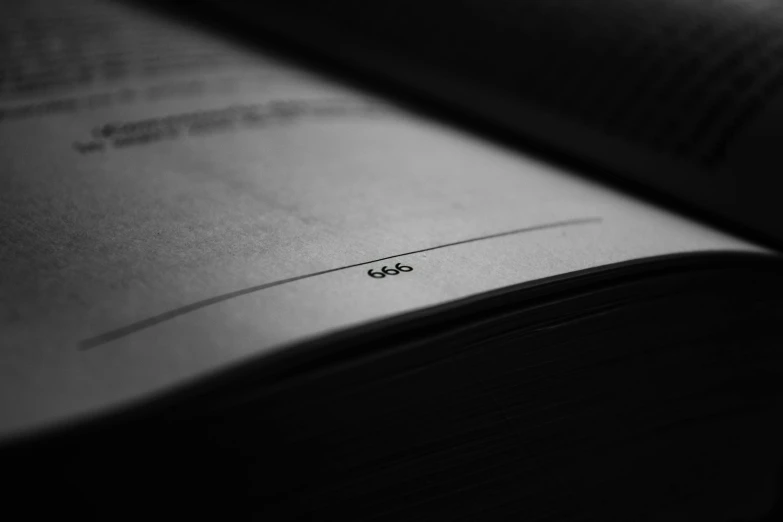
132, 328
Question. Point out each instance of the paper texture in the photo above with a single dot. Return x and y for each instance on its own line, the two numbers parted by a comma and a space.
197, 204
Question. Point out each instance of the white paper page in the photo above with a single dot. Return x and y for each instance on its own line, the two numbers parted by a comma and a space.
196, 205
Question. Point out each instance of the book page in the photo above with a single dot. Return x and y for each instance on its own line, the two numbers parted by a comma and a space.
174, 205
675, 96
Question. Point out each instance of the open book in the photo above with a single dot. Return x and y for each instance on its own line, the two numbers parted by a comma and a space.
206, 247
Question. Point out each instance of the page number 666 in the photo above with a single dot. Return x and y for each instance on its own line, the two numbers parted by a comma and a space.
384, 271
